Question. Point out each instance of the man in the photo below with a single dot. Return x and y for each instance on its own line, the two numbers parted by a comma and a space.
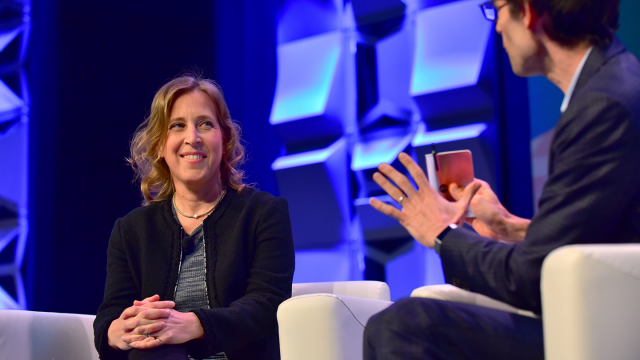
592, 194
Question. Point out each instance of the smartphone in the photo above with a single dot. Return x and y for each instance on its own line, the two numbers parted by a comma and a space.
450, 167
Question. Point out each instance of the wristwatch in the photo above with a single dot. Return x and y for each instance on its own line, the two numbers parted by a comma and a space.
442, 235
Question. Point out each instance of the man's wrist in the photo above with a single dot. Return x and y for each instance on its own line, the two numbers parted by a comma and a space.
516, 227
442, 235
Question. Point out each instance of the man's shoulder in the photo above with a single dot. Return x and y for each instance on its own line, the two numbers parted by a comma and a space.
617, 80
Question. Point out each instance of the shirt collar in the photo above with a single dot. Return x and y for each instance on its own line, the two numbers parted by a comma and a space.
574, 81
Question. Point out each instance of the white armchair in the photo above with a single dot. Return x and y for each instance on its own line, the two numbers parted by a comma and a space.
45, 336
333, 328
326, 320
590, 302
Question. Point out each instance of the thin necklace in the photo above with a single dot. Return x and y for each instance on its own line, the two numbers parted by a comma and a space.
203, 214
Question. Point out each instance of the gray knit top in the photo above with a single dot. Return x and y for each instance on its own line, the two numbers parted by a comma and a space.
191, 290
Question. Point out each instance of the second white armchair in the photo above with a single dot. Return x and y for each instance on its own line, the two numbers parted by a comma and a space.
326, 320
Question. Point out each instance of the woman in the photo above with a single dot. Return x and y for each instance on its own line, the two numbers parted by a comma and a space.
210, 258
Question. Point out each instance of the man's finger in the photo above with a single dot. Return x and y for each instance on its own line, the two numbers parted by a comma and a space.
456, 191
469, 192
405, 185
416, 172
386, 208
387, 186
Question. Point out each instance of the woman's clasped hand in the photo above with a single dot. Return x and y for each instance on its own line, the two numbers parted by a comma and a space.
151, 323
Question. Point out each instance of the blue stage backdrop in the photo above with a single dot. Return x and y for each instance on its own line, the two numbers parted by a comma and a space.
358, 82
15, 26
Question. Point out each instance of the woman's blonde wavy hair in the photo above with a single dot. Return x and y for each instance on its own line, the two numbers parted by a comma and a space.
156, 183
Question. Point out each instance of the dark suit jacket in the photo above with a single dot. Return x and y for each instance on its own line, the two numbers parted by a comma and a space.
592, 194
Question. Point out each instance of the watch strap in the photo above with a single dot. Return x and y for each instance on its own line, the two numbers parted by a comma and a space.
442, 235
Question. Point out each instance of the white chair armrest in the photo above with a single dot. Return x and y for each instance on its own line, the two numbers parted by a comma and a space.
40, 336
324, 326
591, 302
363, 289
451, 293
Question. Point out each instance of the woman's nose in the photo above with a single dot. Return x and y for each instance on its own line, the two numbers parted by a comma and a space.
193, 137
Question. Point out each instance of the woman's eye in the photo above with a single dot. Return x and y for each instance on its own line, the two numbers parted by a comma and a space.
207, 124
176, 126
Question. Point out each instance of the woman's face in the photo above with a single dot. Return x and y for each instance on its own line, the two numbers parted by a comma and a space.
193, 150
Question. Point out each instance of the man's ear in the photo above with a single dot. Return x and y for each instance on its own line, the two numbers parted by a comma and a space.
529, 16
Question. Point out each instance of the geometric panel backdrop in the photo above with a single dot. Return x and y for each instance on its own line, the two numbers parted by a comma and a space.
15, 24
358, 82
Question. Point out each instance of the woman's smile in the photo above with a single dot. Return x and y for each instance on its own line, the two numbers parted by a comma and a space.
193, 157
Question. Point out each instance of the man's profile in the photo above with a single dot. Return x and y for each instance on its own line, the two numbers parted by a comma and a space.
592, 194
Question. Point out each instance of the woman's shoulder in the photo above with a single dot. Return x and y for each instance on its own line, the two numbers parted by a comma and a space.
147, 212
254, 197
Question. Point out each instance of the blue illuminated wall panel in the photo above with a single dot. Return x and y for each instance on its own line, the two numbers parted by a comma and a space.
14, 130
307, 105
450, 45
299, 19
382, 146
316, 183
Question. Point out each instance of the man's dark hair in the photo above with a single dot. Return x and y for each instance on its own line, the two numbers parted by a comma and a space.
574, 21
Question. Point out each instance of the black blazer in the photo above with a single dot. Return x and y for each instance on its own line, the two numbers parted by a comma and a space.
592, 194
249, 262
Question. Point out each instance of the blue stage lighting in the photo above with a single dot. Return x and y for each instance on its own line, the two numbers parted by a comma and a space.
451, 134
370, 154
7, 37
306, 158
7, 302
9, 102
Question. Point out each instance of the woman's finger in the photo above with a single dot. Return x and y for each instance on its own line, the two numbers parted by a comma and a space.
388, 187
130, 312
149, 329
146, 300
160, 305
148, 343
132, 338
153, 314
403, 183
